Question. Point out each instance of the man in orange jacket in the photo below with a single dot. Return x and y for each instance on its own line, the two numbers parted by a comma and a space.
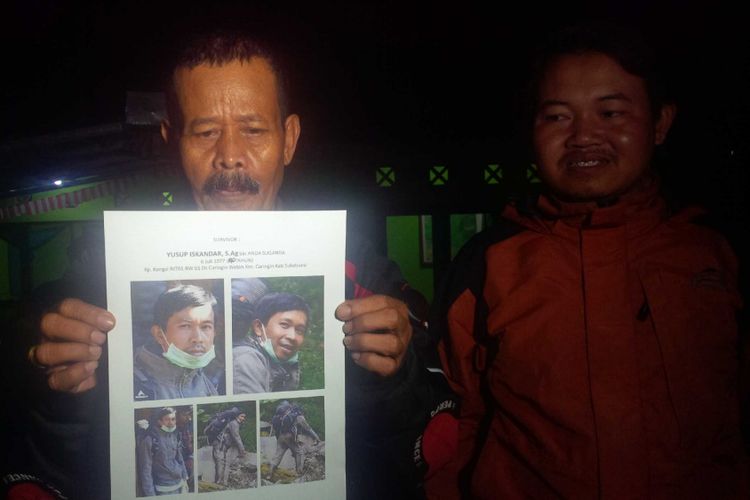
591, 336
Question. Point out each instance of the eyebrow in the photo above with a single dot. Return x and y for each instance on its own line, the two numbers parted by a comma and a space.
252, 118
289, 318
203, 121
619, 96
552, 102
248, 118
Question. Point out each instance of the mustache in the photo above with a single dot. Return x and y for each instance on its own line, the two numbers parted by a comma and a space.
589, 154
234, 180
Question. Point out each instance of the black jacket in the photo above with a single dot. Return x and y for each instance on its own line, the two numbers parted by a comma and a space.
63, 439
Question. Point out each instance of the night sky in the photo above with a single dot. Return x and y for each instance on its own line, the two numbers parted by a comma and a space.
404, 80
362, 71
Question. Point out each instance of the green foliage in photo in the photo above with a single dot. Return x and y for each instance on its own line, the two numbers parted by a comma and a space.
311, 356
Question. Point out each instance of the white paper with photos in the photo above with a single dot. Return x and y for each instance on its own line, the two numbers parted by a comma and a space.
228, 319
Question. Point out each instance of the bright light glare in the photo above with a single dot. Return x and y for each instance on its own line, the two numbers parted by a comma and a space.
58, 182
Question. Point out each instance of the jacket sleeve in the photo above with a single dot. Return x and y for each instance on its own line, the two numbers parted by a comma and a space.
457, 352
459, 325
144, 467
302, 422
386, 417
60, 434
234, 434
250, 374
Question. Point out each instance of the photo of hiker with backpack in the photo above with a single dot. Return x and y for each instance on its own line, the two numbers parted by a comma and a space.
290, 425
277, 329
226, 455
160, 452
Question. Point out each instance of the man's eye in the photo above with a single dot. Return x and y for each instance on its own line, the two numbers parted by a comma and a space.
553, 117
207, 134
252, 131
301, 331
612, 113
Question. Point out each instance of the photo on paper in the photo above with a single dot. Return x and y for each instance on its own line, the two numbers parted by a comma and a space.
163, 450
178, 339
292, 440
277, 330
227, 446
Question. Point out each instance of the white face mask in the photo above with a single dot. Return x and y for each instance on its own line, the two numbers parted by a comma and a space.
268, 347
168, 429
178, 357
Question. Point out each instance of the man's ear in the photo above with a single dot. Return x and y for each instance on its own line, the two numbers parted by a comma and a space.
158, 334
664, 122
166, 131
258, 328
292, 129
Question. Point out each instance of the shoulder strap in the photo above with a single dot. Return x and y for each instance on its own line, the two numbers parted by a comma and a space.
153, 434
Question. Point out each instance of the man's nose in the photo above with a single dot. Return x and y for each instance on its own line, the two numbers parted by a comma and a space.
292, 335
198, 336
585, 131
229, 151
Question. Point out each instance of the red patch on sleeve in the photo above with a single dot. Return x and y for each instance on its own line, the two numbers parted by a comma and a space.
29, 491
440, 441
351, 273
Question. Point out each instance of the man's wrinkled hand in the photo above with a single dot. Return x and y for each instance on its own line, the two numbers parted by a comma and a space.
377, 332
72, 341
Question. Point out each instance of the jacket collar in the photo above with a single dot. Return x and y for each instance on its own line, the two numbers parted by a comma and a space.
637, 211
161, 369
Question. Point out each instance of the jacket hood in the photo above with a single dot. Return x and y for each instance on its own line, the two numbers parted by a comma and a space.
161, 369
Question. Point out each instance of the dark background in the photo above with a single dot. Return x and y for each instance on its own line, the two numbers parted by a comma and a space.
381, 83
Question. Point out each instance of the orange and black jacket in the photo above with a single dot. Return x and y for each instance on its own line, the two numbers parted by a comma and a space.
594, 352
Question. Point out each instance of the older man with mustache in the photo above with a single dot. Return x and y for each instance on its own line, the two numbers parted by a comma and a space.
230, 124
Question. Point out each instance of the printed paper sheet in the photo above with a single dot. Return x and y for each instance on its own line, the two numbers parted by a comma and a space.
226, 364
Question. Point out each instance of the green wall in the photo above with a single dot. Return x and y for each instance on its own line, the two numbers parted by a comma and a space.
402, 233
404, 247
4, 271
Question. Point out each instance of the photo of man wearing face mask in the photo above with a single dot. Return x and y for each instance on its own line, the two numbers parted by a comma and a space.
267, 359
160, 461
175, 364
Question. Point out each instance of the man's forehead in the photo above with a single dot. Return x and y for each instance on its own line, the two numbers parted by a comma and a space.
590, 72
201, 310
291, 313
209, 67
236, 75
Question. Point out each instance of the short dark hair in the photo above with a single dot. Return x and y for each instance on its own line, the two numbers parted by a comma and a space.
178, 298
164, 411
273, 303
627, 46
218, 48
